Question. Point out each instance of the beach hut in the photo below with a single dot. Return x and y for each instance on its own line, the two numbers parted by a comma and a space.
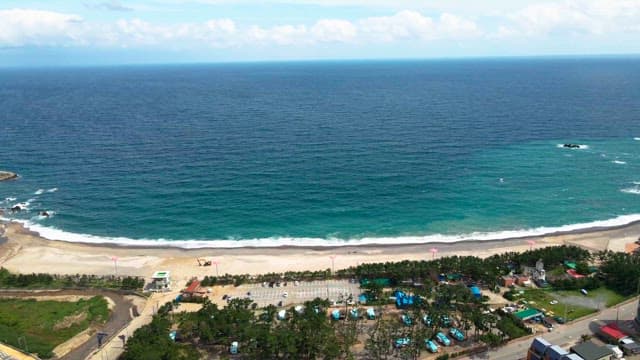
282, 314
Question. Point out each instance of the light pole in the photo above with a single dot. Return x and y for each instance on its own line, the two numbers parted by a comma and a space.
531, 244
333, 258
115, 264
434, 252
216, 262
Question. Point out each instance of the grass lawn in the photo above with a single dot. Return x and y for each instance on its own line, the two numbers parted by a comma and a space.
43, 325
610, 297
540, 299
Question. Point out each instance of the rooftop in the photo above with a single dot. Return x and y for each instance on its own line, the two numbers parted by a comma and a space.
161, 275
613, 331
590, 351
527, 313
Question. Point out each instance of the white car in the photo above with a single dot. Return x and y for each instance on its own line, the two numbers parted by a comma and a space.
553, 302
285, 294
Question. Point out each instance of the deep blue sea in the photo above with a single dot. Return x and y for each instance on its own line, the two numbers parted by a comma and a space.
322, 153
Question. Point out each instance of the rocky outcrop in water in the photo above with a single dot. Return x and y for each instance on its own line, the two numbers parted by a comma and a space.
7, 175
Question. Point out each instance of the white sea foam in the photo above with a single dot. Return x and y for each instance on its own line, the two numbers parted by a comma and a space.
580, 146
57, 234
52, 190
636, 183
634, 190
636, 138
619, 162
9, 199
39, 192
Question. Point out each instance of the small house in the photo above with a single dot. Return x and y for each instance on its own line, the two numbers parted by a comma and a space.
194, 290
508, 281
160, 281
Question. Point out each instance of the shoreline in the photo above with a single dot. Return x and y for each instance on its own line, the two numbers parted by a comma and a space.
24, 251
53, 234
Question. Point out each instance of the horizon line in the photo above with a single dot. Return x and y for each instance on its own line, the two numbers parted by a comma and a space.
333, 60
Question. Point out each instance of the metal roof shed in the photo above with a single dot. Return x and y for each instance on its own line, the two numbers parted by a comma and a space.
590, 351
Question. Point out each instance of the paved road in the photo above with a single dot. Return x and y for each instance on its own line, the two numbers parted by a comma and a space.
113, 348
118, 318
565, 335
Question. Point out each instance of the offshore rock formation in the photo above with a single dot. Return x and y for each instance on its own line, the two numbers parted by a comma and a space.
7, 175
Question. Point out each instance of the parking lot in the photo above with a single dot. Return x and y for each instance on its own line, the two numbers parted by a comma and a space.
295, 293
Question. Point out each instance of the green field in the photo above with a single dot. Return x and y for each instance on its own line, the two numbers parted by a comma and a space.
609, 297
541, 300
42, 325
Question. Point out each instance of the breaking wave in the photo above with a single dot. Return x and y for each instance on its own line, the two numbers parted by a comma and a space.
57, 234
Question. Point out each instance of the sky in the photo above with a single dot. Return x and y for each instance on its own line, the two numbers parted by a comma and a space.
102, 32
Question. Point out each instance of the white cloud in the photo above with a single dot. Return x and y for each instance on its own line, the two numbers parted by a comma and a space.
572, 18
26, 27
334, 30
19, 27
413, 25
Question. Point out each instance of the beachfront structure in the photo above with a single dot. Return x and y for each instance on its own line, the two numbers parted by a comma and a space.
160, 281
194, 290
537, 273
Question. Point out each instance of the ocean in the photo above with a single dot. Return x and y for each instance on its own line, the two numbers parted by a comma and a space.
322, 153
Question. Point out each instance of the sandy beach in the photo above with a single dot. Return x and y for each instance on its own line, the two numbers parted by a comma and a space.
25, 251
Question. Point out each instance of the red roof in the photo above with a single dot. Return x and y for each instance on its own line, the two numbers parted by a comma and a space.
613, 331
574, 274
195, 284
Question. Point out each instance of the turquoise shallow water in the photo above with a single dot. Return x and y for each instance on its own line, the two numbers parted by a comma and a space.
322, 153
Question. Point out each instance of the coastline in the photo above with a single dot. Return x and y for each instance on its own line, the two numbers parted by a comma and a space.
24, 251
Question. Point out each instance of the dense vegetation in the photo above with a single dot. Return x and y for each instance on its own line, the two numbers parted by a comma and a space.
48, 281
152, 341
39, 326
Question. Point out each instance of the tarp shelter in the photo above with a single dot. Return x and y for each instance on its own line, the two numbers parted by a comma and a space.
476, 292
335, 314
233, 349
403, 300
371, 314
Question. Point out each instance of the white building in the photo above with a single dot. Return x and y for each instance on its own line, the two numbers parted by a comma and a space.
537, 273
160, 281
